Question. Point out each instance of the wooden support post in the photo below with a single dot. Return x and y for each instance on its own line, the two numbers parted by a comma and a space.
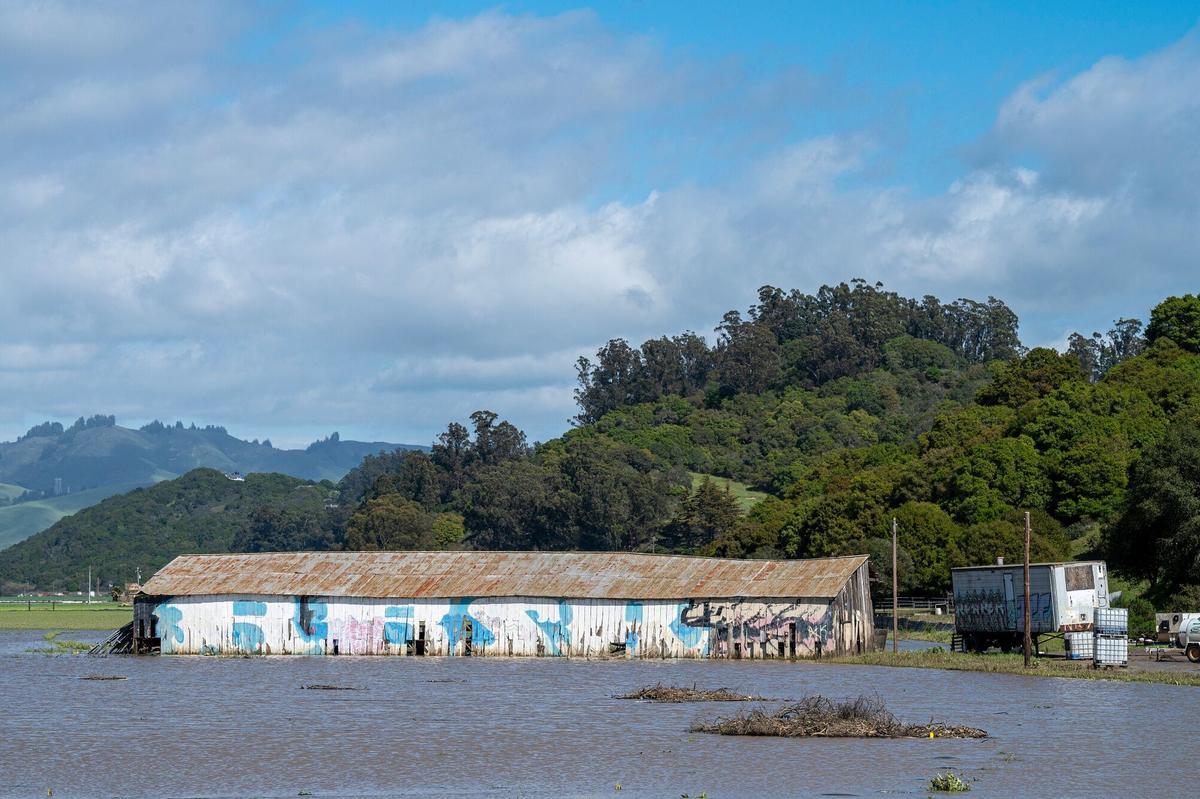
895, 595
1028, 611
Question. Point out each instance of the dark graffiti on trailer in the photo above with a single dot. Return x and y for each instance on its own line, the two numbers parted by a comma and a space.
989, 611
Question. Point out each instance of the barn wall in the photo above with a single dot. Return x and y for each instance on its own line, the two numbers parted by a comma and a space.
513, 626
853, 615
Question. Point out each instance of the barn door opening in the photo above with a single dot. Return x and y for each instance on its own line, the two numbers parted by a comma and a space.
468, 632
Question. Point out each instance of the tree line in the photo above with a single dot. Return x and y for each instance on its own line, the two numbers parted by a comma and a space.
845, 409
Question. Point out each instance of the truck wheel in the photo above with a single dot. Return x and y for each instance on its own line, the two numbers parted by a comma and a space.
1193, 653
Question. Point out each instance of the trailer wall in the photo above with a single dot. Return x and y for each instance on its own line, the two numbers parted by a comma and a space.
1062, 597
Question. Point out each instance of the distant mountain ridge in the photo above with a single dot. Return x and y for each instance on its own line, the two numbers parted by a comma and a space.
54, 470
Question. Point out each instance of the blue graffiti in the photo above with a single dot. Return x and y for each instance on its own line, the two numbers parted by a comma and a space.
452, 623
633, 620
169, 631
309, 623
558, 633
691, 637
398, 632
247, 637
246, 607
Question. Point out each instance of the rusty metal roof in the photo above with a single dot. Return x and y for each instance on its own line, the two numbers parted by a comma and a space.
568, 575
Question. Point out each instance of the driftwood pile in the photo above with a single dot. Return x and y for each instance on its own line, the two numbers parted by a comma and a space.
671, 693
819, 717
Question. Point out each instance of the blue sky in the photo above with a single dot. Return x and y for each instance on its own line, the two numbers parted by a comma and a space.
933, 73
298, 217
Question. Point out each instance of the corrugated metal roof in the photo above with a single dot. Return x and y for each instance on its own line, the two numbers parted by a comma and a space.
568, 575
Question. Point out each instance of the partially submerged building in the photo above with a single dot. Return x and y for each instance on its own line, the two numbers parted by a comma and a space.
597, 605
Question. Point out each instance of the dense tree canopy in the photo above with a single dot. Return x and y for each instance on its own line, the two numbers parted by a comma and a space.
1177, 318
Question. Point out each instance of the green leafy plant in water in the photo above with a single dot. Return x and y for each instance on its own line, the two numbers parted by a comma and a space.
948, 783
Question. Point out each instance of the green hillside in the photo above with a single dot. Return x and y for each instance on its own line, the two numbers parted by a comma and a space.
10, 492
745, 497
202, 511
53, 470
18, 522
807, 427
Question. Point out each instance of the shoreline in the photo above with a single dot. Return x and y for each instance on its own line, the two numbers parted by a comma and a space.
1014, 664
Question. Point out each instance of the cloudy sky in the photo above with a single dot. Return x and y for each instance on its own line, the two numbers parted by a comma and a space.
293, 218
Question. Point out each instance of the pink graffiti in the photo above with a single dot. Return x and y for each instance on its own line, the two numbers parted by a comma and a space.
361, 637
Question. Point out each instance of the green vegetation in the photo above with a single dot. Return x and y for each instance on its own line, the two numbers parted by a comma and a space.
948, 783
19, 521
808, 426
61, 646
98, 616
938, 658
53, 471
202, 511
745, 497
9, 492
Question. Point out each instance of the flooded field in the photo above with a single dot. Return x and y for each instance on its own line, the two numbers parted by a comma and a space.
422, 727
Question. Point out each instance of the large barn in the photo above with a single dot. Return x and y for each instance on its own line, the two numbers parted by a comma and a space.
586, 605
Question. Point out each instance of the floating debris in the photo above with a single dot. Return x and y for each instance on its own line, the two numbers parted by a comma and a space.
319, 687
103, 677
819, 717
671, 693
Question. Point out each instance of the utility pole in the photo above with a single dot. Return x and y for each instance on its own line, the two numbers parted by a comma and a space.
1028, 613
88, 599
895, 596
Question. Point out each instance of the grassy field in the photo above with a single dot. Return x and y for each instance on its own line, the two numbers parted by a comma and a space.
746, 498
10, 491
97, 616
1012, 664
18, 522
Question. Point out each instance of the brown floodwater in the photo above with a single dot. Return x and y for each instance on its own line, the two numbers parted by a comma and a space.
495, 727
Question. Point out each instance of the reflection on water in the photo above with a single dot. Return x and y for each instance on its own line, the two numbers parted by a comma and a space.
548, 727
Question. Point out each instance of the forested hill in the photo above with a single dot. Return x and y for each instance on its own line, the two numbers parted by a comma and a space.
841, 409
53, 470
847, 407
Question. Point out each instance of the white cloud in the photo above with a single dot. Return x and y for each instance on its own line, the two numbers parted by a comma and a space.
382, 231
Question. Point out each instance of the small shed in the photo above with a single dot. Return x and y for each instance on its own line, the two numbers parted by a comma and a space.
569, 604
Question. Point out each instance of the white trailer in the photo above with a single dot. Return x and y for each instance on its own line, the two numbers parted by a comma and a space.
1188, 637
989, 601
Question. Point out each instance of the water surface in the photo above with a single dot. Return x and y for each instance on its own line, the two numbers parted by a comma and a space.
448, 727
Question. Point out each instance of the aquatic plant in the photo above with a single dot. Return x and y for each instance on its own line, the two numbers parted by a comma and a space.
948, 783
